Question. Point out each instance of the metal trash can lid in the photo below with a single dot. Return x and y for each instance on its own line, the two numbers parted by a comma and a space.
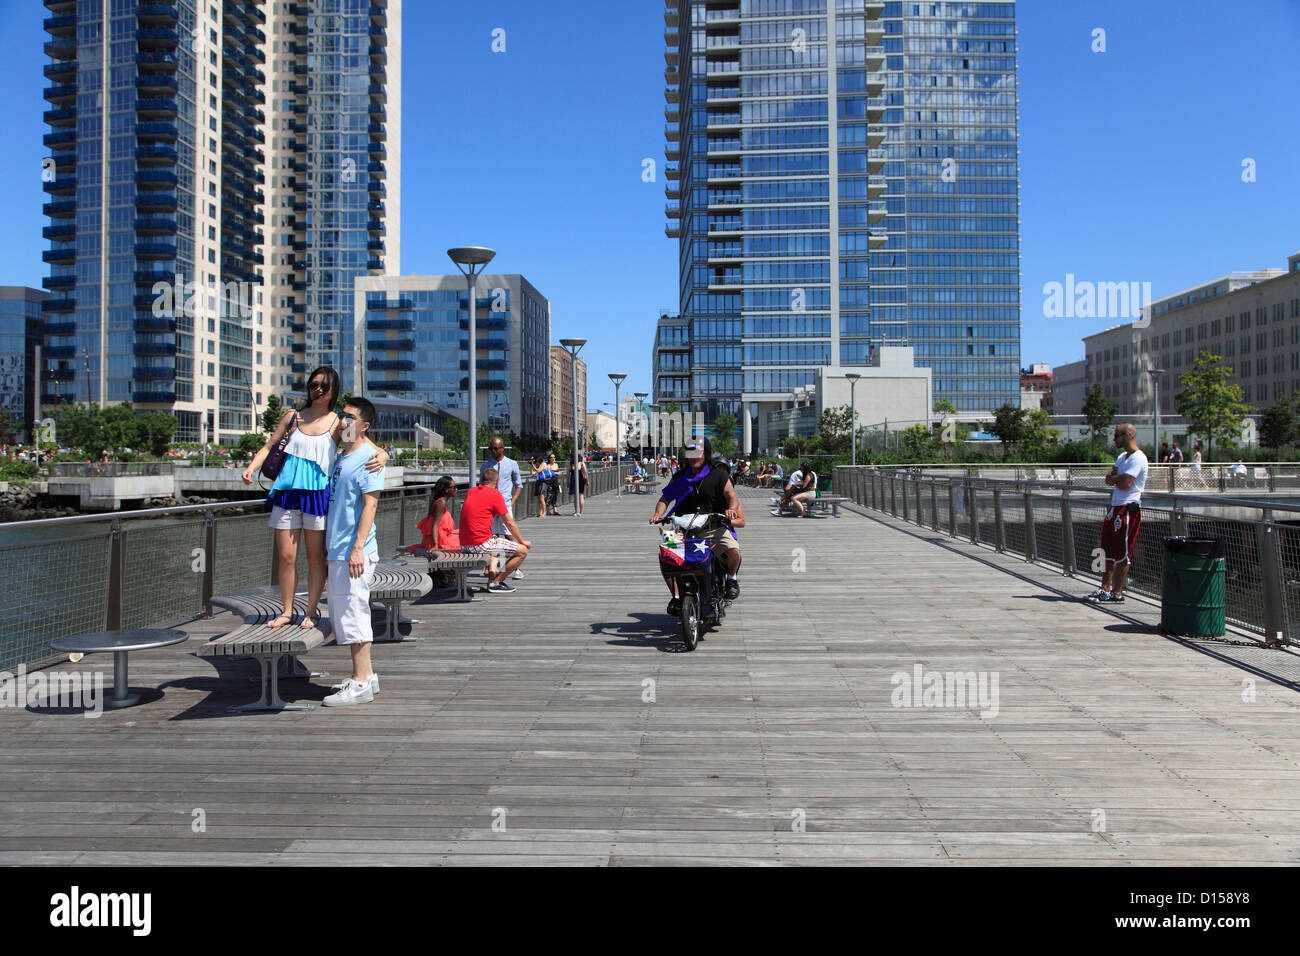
1196, 547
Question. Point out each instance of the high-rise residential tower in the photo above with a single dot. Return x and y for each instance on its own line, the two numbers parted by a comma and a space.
843, 177
415, 333
173, 201
335, 180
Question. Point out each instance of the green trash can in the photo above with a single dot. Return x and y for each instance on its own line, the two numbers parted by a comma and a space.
823, 485
1194, 598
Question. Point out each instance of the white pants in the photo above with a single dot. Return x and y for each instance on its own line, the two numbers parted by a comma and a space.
349, 602
282, 520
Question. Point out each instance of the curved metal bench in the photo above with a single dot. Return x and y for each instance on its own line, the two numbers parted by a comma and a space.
458, 563
396, 581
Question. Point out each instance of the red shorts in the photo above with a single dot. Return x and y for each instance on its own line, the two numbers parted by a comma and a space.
1119, 533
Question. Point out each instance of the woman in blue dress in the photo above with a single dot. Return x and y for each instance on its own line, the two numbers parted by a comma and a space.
300, 496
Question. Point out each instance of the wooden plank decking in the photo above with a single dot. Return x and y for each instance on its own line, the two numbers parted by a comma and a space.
527, 710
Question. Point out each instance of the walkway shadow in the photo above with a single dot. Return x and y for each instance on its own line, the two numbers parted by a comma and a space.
657, 631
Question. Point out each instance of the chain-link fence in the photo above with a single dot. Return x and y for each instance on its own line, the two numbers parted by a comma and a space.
48, 590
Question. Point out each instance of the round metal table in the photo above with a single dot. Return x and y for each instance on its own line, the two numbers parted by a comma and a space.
120, 643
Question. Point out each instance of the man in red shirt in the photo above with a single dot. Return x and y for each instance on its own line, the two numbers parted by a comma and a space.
482, 503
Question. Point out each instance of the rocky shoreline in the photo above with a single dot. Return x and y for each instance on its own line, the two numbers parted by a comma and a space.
26, 503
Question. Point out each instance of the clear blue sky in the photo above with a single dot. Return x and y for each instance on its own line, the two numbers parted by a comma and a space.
1130, 159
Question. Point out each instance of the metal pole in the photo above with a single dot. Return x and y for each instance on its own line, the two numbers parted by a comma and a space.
1155, 445
470, 277
618, 445
853, 424
577, 476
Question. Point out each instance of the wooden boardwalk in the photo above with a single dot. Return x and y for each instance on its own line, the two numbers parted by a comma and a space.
518, 731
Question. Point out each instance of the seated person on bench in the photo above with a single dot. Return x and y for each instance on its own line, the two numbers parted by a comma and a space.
637, 477
801, 489
437, 529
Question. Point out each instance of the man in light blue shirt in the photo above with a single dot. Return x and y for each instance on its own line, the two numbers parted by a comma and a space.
509, 482
352, 552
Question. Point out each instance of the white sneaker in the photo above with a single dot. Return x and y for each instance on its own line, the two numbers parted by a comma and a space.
1098, 596
372, 683
352, 693
518, 575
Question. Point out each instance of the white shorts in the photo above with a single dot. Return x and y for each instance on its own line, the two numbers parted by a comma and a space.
499, 524
349, 602
282, 520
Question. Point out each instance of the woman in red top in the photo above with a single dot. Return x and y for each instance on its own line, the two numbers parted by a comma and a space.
437, 528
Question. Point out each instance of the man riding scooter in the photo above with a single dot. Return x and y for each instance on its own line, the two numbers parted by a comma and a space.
700, 486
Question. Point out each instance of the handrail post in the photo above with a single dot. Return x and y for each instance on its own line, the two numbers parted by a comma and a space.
113, 612
401, 519
906, 482
952, 508
1031, 537
999, 533
1177, 522
971, 507
209, 561
1268, 543
934, 505
871, 480
1067, 535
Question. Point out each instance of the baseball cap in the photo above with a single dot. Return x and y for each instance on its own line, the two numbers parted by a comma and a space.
694, 450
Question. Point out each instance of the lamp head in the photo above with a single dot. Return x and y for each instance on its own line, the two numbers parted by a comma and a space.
471, 255
617, 377
852, 376
573, 344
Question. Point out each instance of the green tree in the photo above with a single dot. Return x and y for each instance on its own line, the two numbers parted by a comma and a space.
1210, 405
1277, 424
274, 412
118, 427
1037, 432
1098, 411
1008, 425
835, 429
157, 429
455, 436
76, 429
918, 440
250, 443
723, 433
485, 435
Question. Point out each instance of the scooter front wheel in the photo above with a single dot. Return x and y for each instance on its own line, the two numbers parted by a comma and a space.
690, 621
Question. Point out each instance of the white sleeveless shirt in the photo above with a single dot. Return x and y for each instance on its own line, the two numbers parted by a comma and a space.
318, 448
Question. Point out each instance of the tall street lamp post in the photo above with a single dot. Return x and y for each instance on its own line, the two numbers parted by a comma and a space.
470, 260
574, 346
853, 412
1155, 374
617, 379
640, 407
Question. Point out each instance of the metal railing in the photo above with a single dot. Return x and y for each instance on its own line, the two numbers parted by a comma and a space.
1254, 476
160, 567
1059, 524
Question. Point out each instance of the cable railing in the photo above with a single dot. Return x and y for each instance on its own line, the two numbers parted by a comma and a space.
1058, 523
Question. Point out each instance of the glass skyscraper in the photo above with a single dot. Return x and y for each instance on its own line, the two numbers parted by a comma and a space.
217, 170
842, 176
416, 335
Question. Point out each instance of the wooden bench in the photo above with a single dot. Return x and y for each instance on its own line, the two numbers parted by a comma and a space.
642, 487
457, 563
395, 581
261, 605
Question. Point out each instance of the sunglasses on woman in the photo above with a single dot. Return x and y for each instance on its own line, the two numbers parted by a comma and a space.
318, 386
